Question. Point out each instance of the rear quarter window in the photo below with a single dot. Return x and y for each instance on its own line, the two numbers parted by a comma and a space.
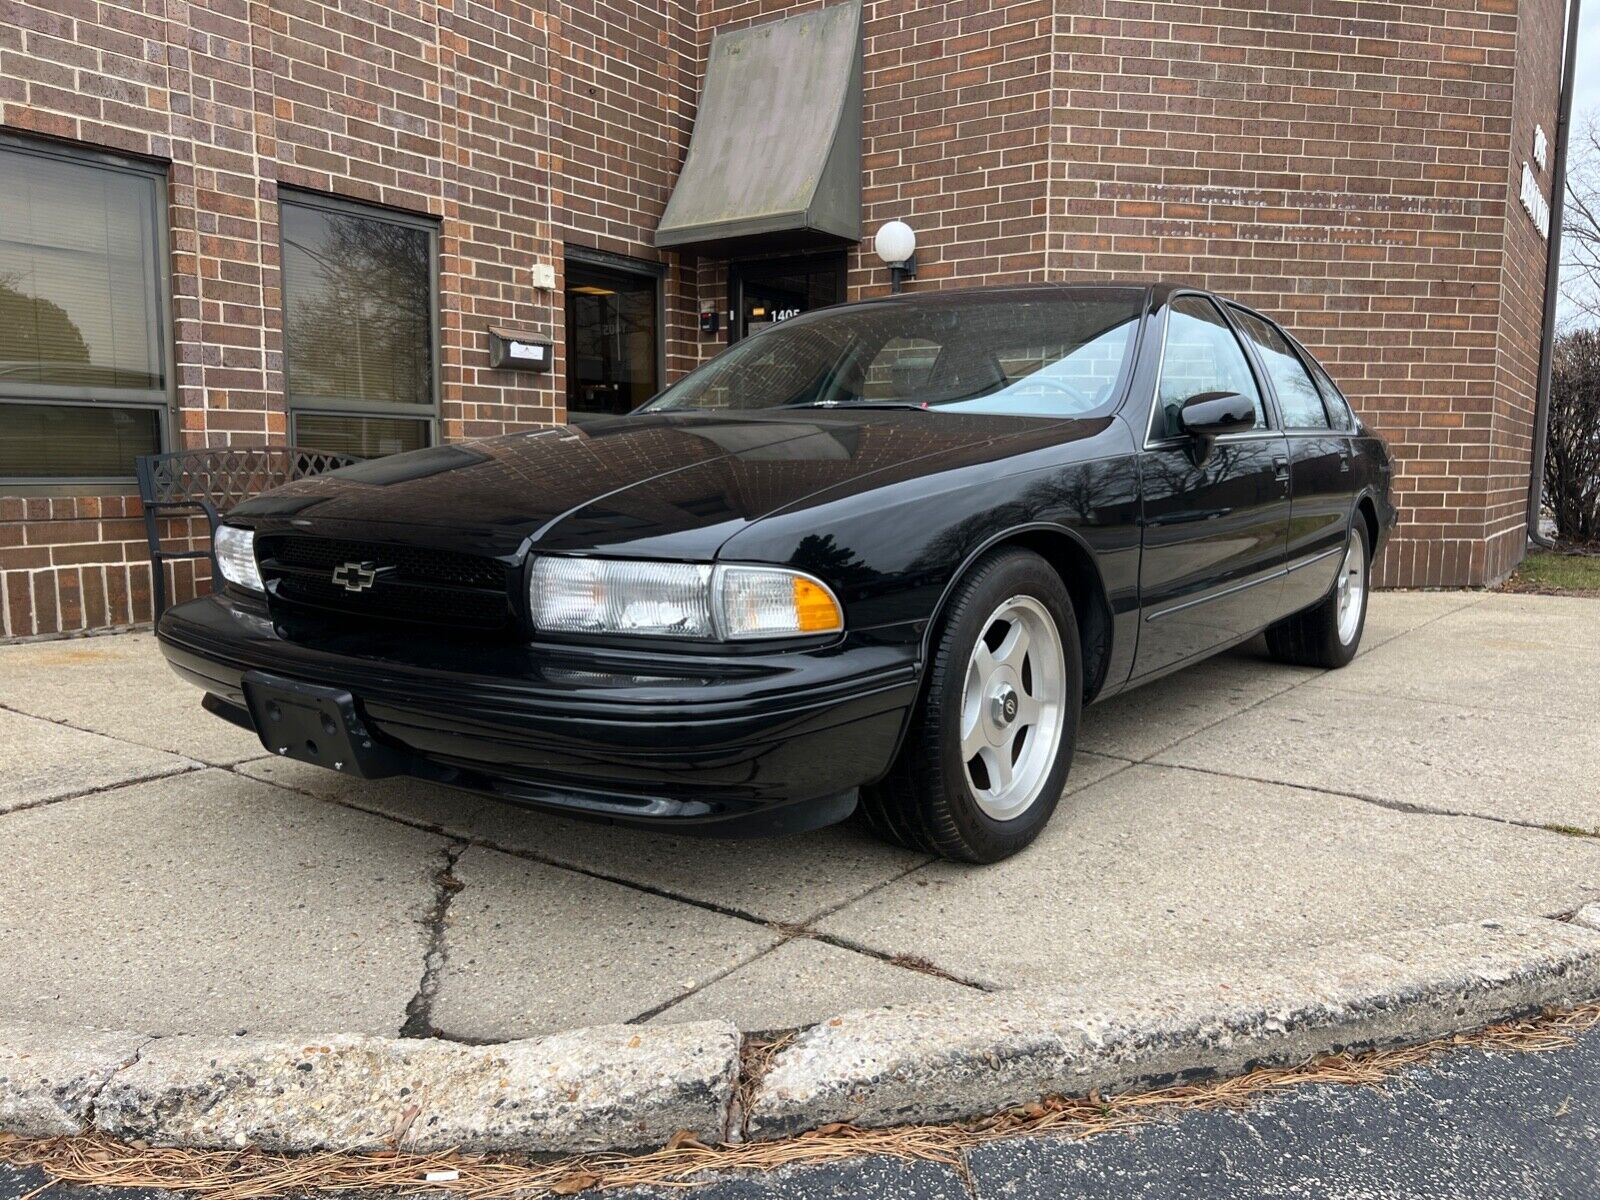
1339, 410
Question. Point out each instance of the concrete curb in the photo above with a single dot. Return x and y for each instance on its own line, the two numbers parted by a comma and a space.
611, 1087
627, 1087
889, 1066
49, 1077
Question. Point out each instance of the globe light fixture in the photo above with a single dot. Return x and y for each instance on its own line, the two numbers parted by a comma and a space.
896, 244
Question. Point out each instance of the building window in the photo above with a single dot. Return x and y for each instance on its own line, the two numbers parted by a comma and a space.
613, 335
85, 341
361, 364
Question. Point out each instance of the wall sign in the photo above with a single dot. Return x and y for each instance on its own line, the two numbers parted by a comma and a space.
1533, 200
1540, 147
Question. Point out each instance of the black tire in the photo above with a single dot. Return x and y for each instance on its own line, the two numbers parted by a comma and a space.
926, 802
1311, 638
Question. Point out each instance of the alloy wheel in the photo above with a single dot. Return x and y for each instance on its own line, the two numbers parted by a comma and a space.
1352, 588
1011, 708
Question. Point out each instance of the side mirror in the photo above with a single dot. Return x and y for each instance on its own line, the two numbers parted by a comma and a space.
1211, 414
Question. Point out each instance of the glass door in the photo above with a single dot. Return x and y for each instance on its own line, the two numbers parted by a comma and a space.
613, 339
766, 291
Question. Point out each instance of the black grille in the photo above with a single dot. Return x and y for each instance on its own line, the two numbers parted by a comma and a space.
408, 583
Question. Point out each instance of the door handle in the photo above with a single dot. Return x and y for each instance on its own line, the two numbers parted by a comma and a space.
1280, 467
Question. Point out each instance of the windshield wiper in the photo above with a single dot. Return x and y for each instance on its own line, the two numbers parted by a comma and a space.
919, 405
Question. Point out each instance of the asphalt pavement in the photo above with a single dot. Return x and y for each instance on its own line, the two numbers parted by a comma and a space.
1470, 1126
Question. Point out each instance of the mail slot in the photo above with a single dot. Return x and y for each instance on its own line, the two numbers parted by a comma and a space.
520, 351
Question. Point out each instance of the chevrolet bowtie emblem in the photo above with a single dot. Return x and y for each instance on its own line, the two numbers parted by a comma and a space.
355, 576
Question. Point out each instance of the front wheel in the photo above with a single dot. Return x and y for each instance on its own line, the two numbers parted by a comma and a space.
1329, 634
988, 751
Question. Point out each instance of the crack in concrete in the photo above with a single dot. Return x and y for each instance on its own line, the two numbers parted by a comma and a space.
176, 772
419, 1012
789, 932
1407, 807
63, 723
419, 1019
91, 1105
757, 1052
651, 1013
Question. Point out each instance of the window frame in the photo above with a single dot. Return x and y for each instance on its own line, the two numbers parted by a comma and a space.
163, 401
340, 206
1160, 441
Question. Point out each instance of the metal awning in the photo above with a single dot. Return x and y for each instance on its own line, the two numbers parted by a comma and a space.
774, 162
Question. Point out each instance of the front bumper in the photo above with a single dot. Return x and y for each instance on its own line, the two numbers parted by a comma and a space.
730, 744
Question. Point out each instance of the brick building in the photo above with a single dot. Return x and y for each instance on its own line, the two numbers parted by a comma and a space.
251, 221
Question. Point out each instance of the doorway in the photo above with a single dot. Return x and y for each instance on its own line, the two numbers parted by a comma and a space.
614, 346
763, 292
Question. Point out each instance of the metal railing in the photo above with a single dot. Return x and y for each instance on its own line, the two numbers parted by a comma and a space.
211, 482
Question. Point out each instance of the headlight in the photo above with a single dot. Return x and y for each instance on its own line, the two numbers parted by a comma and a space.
592, 595
236, 556
687, 600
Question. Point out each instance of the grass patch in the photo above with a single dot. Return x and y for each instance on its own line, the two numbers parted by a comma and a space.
1558, 573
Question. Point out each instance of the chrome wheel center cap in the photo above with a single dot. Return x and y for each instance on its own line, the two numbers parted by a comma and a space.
1003, 705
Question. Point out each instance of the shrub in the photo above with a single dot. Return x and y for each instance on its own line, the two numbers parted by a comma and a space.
1572, 460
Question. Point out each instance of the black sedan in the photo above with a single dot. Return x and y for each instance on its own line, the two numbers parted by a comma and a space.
874, 558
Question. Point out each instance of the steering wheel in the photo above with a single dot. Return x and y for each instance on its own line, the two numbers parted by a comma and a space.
1046, 383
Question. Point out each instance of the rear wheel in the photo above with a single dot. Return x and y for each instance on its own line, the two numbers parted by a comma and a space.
988, 752
1329, 634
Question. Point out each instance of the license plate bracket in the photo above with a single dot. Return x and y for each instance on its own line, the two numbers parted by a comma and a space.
317, 725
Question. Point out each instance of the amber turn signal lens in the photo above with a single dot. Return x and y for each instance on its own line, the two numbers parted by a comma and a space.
815, 608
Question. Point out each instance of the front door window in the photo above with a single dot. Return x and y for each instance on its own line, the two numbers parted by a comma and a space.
768, 291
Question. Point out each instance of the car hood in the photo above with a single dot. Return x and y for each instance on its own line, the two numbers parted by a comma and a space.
673, 484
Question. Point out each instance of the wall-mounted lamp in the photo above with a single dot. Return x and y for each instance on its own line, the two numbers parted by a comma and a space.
896, 244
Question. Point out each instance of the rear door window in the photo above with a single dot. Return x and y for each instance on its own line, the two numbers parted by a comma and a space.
1297, 394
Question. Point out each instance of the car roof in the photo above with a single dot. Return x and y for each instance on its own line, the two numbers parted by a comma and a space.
1159, 291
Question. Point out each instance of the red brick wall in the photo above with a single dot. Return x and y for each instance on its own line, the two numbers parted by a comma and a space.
1344, 167
1349, 165
628, 78
437, 109
80, 563
1506, 464
956, 128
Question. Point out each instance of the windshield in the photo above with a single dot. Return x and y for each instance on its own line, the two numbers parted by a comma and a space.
1036, 353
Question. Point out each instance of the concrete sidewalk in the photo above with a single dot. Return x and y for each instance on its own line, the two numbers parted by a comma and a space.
167, 877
